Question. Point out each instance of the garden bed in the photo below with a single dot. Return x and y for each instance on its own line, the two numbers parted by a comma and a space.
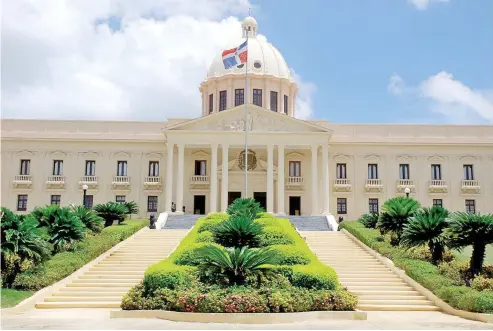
293, 279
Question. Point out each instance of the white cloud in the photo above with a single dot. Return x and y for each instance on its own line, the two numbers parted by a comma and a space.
304, 98
449, 97
114, 59
423, 4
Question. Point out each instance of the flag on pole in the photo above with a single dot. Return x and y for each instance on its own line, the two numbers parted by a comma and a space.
235, 56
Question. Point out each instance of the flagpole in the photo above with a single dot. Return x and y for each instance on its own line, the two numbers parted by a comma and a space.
246, 121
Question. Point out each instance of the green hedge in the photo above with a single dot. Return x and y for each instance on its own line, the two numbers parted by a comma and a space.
63, 264
425, 273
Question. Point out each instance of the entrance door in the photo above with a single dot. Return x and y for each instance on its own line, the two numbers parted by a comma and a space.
199, 204
261, 197
232, 196
294, 205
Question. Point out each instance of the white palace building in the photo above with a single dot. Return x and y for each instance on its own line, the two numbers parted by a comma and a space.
295, 167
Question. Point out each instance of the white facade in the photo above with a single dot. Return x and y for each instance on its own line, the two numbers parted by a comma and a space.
306, 167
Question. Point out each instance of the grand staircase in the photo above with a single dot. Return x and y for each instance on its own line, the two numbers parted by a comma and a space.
181, 221
309, 223
376, 286
106, 282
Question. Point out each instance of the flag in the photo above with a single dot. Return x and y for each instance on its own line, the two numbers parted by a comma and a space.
235, 56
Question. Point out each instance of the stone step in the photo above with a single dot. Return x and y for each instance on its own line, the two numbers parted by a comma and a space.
393, 292
56, 305
393, 301
397, 287
117, 267
356, 274
398, 307
83, 293
133, 258
111, 276
126, 285
121, 272
106, 298
106, 281
373, 280
374, 283
88, 289
389, 297
132, 263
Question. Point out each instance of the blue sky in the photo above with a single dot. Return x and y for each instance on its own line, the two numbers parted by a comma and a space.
349, 49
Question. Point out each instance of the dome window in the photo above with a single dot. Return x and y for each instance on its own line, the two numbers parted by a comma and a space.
257, 65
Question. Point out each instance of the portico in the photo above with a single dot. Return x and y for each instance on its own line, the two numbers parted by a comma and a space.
272, 138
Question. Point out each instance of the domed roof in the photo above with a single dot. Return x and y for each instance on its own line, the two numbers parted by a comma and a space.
263, 57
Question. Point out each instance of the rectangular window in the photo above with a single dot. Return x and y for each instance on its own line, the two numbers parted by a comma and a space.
25, 167
22, 202
152, 204
120, 199
471, 206
239, 97
223, 96
211, 103
273, 101
57, 168
56, 199
341, 206
153, 168
294, 168
468, 173
200, 167
404, 171
89, 201
438, 202
90, 168
436, 172
257, 97
373, 205
372, 171
122, 168
341, 171
285, 104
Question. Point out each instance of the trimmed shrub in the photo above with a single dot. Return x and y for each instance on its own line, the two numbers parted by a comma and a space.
237, 231
289, 255
273, 235
166, 274
205, 237
481, 283
457, 271
334, 300
190, 256
314, 276
247, 302
210, 224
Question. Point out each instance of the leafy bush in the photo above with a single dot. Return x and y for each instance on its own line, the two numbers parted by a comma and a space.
334, 300
191, 256
369, 220
63, 264
481, 283
423, 253
245, 207
289, 255
238, 231
457, 271
314, 276
91, 220
205, 237
111, 211
443, 280
395, 215
210, 224
273, 235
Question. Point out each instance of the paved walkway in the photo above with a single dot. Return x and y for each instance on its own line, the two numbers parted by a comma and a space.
98, 319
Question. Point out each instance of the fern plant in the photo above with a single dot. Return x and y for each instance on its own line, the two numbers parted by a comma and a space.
232, 266
110, 212
89, 217
369, 220
396, 213
238, 231
245, 207
132, 208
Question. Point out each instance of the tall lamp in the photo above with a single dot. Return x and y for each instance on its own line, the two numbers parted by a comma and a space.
407, 190
84, 188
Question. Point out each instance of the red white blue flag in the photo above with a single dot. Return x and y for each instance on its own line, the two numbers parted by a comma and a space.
235, 56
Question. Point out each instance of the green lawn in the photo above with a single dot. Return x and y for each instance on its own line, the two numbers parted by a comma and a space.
11, 298
466, 254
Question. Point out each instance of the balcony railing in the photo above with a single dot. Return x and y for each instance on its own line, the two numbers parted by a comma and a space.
402, 184
437, 186
374, 185
294, 182
90, 181
470, 186
152, 182
55, 181
121, 181
342, 184
22, 180
199, 181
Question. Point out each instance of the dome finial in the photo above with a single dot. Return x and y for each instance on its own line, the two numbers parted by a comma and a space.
249, 26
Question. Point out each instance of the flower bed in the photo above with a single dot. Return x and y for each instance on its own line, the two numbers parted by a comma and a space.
298, 282
446, 280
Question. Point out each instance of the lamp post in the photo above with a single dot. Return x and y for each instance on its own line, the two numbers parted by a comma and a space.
84, 188
407, 190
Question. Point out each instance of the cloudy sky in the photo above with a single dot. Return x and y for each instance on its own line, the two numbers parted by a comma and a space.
366, 61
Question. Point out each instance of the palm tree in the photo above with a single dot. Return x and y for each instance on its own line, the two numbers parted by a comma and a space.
233, 265
238, 231
21, 245
467, 229
395, 215
245, 207
91, 220
110, 212
132, 208
427, 227
66, 229
369, 220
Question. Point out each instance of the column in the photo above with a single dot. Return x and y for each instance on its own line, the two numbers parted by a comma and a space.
325, 178
231, 95
169, 176
179, 178
213, 191
280, 180
314, 180
270, 179
224, 181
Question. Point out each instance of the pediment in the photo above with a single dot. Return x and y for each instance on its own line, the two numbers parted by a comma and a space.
341, 158
153, 155
121, 154
469, 158
372, 157
200, 153
294, 155
259, 120
89, 155
233, 166
436, 158
57, 154
25, 153
404, 158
